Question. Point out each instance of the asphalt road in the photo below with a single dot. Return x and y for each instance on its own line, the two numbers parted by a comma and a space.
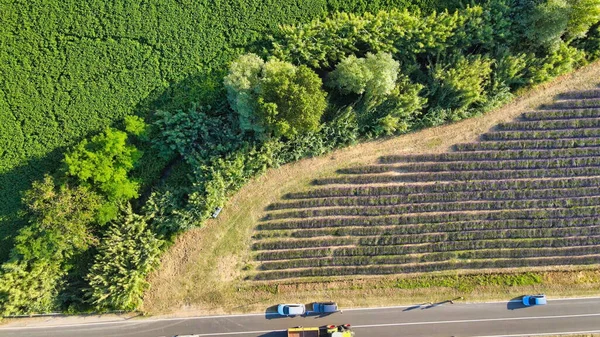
481, 319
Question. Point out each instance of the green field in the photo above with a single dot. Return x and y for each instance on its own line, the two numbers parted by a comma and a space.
525, 195
69, 69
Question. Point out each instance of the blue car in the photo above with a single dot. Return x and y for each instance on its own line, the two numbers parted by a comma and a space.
531, 300
325, 307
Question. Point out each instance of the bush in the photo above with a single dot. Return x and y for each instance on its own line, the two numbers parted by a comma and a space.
290, 99
561, 60
241, 83
127, 254
374, 76
193, 133
275, 98
324, 43
460, 83
388, 103
103, 163
60, 227
548, 23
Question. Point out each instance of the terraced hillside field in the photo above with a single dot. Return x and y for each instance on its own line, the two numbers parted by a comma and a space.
527, 194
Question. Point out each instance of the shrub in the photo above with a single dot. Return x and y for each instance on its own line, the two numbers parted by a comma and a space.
241, 83
135, 125
276, 97
388, 103
60, 228
548, 22
324, 43
562, 59
103, 163
193, 133
127, 253
460, 83
583, 15
374, 76
290, 99
214, 181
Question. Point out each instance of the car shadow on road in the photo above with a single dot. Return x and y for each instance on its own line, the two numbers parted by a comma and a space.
321, 315
275, 334
515, 303
271, 313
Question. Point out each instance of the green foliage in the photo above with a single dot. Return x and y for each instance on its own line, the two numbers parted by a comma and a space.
508, 71
127, 254
215, 181
468, 282
60, 227
396, 31
135, 125
73, 70
548, 23
374, 75
168, 213
554, 21
388, 103
395, 113
28, 287
275, 98
103, 163
290, 99
241, 83
187, 132
459, 83
584, 14
590, 44
456, 88
55, 214
562, 60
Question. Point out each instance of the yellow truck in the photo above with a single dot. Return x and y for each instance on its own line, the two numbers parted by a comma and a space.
326, 331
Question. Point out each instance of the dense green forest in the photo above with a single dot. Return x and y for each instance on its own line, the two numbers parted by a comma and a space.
172, 106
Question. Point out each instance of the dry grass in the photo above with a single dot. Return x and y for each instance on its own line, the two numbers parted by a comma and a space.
203, 271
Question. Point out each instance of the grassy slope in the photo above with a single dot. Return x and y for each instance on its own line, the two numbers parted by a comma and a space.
70, 68
203, 271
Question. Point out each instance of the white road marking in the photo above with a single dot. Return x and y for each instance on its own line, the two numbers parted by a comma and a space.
474, 320
417, 323
547, 334
152, 320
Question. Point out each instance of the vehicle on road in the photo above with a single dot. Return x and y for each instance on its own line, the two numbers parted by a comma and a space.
324, 307
344, 330
531, 300
291, 309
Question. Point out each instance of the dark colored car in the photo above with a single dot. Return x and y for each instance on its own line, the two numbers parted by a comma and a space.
325, 307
